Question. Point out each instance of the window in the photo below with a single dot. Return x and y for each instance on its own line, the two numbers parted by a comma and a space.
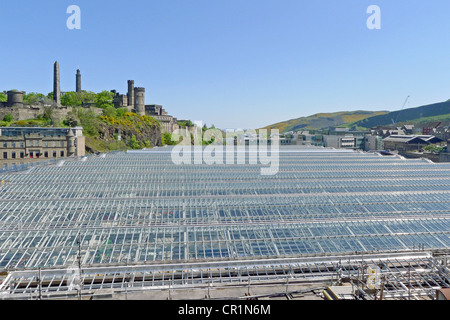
5, 144
22, 155
31, 142
13, 144
22, 145
5, 155
46, 144
31, 154
46, 154
13, 155
62, 144
54, 154
54, 144
62, 153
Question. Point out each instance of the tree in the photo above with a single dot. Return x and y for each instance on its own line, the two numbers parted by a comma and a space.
88, 96
166, 139
3, 97
434, 148
104, 99
48, 113
120, 112
71, 99
187, 123
8, 118
110, 111
72, 119
89, 121
133, 143
33, 98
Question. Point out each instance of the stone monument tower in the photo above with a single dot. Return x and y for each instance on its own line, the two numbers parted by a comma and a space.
56, 85
130, 94
78, 81
139, 101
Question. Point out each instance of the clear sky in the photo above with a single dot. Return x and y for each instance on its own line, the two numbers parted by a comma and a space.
246, 63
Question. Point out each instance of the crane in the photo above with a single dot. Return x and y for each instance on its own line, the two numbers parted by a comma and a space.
404, 104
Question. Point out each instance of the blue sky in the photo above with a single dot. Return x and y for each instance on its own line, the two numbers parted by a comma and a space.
244, 64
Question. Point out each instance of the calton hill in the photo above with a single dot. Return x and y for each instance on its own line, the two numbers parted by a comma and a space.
105, 127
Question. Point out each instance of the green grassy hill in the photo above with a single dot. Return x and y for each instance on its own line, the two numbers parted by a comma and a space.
324, 120
428, 113
419, 116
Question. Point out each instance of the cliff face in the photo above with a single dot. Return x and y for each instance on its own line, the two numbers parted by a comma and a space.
129, 131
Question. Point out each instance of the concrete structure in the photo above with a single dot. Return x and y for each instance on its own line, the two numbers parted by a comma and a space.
56, 85
78, 81
19, 143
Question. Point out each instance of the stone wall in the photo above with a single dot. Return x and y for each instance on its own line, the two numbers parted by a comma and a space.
33, 111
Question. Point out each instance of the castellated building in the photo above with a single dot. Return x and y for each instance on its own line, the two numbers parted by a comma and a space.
134, 101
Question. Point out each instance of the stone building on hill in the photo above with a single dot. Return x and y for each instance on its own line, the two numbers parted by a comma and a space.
133, 100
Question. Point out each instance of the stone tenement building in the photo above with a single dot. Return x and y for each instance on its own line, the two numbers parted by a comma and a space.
134, 101
22, 144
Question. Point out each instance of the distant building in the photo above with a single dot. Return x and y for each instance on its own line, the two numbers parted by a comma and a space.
134, 101
348, 141
302, 138
20, 143
168, 123
372, 142
407, 129
403, 143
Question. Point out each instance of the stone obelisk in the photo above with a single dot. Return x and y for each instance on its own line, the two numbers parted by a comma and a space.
56, 85
78, 81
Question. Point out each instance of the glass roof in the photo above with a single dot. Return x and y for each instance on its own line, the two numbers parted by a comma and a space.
139, 207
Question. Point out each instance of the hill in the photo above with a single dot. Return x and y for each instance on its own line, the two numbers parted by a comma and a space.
105, 127
419, 116
324, 120
428, 113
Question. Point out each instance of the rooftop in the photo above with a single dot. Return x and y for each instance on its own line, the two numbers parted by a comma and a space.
140, 209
